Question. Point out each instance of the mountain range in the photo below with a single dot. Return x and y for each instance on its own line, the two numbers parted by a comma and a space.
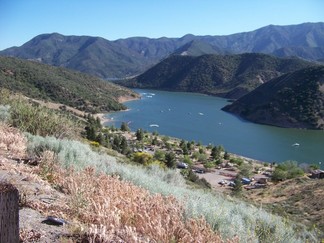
132, 56
230, 76
292, 100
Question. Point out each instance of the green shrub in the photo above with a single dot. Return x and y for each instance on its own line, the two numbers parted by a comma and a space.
39, 120
237, 161
287, 170
4, 113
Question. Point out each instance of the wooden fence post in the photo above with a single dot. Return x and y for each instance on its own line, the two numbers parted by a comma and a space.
9, 213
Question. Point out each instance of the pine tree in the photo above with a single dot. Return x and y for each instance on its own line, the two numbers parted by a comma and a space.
124, 127
139, 134
170, 160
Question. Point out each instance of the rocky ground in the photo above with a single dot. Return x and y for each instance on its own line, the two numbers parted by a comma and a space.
36, 199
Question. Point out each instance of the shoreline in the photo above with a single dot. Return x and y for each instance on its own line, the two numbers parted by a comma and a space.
126, 98
102, 118
121, 99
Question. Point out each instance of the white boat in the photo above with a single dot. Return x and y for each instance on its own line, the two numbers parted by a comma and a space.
154, 125
201, 113
295, 144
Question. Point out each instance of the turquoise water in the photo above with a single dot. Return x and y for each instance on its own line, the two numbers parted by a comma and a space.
200, 118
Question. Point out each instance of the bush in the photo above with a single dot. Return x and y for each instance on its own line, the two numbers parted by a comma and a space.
41, 121
287, 170
237, 161
4, 113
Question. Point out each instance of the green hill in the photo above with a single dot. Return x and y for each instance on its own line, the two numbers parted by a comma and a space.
230, 76
61, 85
292, 100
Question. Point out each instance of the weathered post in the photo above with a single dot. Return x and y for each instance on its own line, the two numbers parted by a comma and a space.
9, 213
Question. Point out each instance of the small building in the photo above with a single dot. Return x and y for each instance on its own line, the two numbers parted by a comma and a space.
262, 180
317, 174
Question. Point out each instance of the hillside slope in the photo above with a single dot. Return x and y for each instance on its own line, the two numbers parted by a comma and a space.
230, 76
292, 100
61, 85
197, 48
127, 57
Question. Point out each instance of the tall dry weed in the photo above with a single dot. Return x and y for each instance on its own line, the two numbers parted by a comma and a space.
117, 208
12, 140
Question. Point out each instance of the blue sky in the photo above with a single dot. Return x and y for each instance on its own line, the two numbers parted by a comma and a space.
21, 20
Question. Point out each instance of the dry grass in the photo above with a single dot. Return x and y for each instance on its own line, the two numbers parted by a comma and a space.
12, 141
118, 209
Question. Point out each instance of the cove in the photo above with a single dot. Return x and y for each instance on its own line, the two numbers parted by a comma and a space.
199, 117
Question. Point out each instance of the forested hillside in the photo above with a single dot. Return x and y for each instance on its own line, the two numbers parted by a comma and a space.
292, 100
230, 76
61, 85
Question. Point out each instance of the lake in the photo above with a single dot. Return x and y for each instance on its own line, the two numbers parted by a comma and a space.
199, 117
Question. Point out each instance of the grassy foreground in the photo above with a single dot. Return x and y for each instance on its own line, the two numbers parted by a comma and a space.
120, 201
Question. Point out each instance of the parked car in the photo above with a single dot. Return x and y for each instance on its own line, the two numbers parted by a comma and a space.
222, 182
246, 181
182, 165
200, 171
231, 183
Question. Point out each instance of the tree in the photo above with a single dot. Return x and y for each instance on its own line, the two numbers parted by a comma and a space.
90, 133
170, 160
190, 146
226, 155
124, 127
139, 134
237, 189
159, 155
182, 144
116, 143
201, 150
124, 149
185, 150
216, 152
100, 138
155, 141
98, 123
245, 170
